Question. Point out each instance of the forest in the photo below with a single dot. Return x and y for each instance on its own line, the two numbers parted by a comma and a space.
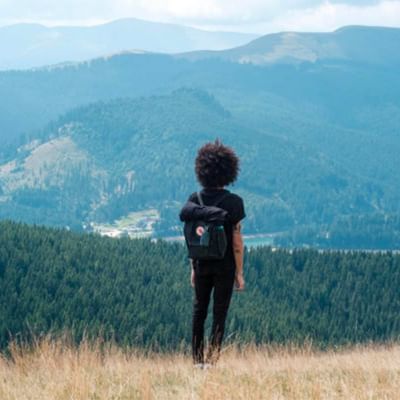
288, 186
136, 292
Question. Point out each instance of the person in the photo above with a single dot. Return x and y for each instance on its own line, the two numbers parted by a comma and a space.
216, 166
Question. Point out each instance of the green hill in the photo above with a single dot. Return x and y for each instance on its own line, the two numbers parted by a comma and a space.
101, 162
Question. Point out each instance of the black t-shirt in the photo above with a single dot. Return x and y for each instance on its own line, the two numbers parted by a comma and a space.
232, 203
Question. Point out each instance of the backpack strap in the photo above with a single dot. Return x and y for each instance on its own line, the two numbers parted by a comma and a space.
200, 199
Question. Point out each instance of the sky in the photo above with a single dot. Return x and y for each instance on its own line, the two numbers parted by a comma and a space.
254, 16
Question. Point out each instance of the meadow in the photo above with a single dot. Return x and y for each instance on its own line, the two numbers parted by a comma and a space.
54, 369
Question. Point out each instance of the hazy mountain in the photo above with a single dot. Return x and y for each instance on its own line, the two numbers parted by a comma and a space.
341, 86
32, 45
358, 44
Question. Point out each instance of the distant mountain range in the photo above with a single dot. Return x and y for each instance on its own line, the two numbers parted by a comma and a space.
368, 55
92, 142
33, 45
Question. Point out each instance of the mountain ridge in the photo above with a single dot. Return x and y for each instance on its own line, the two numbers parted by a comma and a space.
297, 47
142, 74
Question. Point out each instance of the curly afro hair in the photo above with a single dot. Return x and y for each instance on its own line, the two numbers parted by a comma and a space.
216, 165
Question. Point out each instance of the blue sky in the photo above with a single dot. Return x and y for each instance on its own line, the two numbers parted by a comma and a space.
257, 16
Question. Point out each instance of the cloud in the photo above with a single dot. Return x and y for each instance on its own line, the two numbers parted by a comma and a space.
322, 17
260, 16
167, 10
329, 16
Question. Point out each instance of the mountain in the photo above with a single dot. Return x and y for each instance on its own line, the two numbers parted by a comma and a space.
356, 44
33, 45
319, 141
341, 86
102, 162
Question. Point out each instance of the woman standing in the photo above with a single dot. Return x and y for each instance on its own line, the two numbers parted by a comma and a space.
216, 167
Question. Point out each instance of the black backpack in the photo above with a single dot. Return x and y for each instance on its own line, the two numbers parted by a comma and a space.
206, 239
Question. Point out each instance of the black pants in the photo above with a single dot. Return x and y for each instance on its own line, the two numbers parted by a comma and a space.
207, 279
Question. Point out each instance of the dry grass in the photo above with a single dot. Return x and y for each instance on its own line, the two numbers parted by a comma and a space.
55, 370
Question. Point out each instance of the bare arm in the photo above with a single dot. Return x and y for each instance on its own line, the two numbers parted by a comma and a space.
192, 274
238, 251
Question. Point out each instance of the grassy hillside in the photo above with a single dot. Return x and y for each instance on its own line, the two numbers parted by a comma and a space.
54, 370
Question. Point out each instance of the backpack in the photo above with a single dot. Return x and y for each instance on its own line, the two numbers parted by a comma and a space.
205, 238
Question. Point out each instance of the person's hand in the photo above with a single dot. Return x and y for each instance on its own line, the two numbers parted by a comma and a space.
192, 278
239, 282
